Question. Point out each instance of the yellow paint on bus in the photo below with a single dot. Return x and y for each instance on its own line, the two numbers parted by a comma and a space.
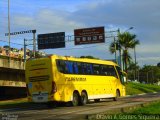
58, 78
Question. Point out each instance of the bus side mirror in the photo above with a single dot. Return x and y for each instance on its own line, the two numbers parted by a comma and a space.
124, 76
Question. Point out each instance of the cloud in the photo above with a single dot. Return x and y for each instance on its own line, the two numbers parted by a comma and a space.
143, 15
148, 60
148, 49
47, 20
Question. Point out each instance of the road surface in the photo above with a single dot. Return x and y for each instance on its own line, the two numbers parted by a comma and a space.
42, 112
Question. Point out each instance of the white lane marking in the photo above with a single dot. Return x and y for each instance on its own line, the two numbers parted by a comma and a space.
142, 94
155, 92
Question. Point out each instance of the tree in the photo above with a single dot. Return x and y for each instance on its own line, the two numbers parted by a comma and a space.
158, 64
131, 70
149, 74
6, 46
38, 54
125, 42
90, 57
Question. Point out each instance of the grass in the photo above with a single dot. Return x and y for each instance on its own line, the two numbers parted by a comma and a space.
153, 108
20, 100
150, 112
14, 103
138, 88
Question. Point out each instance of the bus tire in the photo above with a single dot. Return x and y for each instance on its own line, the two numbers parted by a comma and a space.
84, 98
75, 101
96, 100
117, 95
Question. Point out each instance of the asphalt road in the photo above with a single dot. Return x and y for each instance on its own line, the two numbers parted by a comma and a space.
42, 112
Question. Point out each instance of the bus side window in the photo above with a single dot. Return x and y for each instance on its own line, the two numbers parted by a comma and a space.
112, 71
75, 68
79, 65
66, 67
108, 70
84, 68
70, 68
60, 66
96, 69
90, 69
104, 70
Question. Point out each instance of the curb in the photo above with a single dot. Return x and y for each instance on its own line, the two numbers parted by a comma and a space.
138, 94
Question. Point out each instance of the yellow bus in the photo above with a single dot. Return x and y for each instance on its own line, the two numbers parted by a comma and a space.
75, 80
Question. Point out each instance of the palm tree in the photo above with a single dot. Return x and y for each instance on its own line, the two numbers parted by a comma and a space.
125, 41
113, 48
126, 59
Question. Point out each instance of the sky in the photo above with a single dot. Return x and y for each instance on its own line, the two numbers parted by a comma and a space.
49, 16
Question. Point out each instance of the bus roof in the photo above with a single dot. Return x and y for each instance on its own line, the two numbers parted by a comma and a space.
84, 60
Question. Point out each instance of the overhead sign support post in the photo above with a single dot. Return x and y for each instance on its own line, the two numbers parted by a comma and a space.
25, 50
34, 43
23, 32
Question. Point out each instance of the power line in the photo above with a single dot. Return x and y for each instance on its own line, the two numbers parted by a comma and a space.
84, 47
81, 47
12, 42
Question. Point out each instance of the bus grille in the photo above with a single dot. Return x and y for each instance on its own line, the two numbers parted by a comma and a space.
39, 78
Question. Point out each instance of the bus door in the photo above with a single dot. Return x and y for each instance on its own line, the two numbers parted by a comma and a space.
111, 76
107, 76
122, 78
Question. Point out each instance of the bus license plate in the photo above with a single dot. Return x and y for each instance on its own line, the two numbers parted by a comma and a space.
40, 98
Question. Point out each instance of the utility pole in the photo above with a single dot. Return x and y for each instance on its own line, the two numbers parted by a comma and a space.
120, 53
34, 43
25, 50
9, 37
